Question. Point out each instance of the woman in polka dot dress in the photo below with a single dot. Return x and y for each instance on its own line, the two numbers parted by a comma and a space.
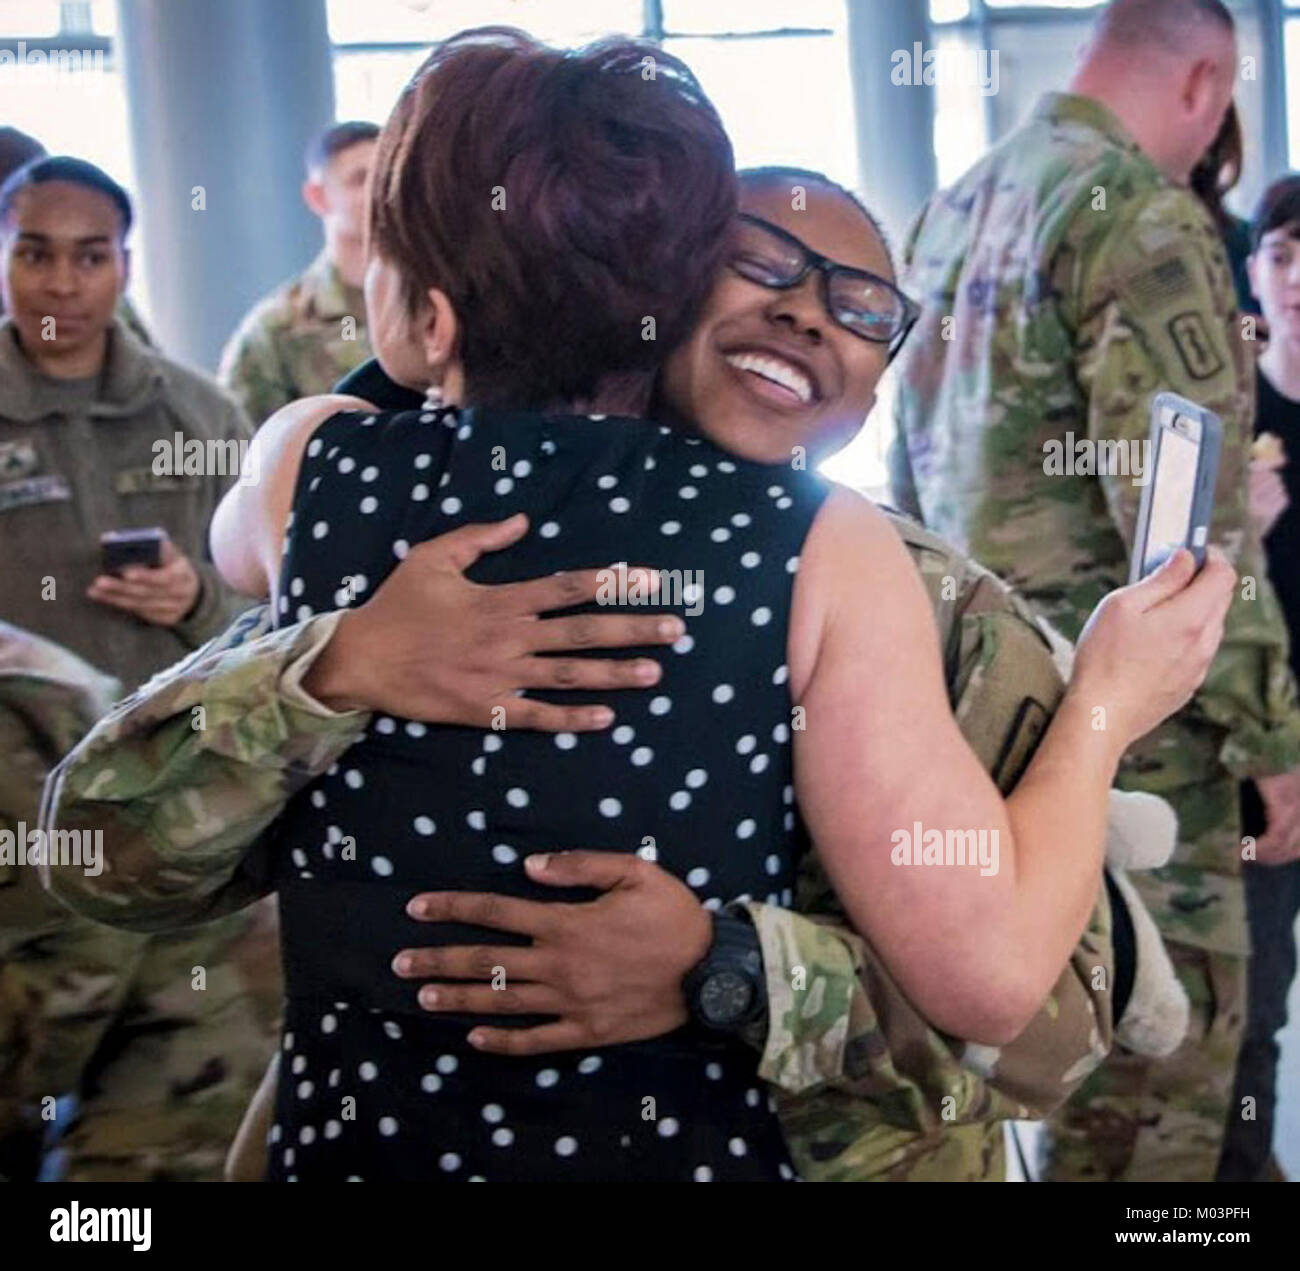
778, 576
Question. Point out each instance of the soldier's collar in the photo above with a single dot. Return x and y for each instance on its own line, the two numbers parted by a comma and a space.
1076, 109
329, 296
131, 376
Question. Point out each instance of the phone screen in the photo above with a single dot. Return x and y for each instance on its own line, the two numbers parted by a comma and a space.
1172, 494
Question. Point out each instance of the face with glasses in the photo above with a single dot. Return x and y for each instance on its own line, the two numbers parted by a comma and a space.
797, 331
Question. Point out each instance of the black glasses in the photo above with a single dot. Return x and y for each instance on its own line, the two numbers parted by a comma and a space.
859, 301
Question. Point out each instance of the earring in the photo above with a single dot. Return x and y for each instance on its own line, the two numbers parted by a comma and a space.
433, 398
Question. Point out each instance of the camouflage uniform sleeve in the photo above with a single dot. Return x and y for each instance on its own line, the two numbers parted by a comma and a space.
1157, 313
183, 775
251, 369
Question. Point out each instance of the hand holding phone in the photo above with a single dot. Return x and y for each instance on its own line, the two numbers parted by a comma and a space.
120, 548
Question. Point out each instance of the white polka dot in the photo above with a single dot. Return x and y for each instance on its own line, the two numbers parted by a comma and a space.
566, 1146
702, 1174
687, 492
447, 1064
369, 504
318, 798
781, 674
493, 1113
774, 491
464, 432
670, 527
547, 1078
504, 485
415, 729
517, 797
696, 778
353, 779
723, 694
668, 1127
550, 529
346, 464
476, 820
369, 473
699, 470
297, 587
787, 795
420, 492
400, 548
607, 482
792, 564
713, 1072
724, 595
741, 519
679, 800
504, 854
299, 857
746, 743
565, 741
423, 825
610, 808
450, 505
522, 468
329, 1023
320, 529
333, 1129
503, 1136
780, 734
782, 1168
746, 829
752, 1097
448, 1162
784, 502
697, 877
619, 504
725, 465
431, 1083
623, 734
772, 864
423, 461
314, 447
590, 1064
761, 616
479, 766
660, 705
305, 1089
492, 743
738, 1147
684, 645
382, 866
641, 756
750, 559
388, 1126
299, 1065
758, 764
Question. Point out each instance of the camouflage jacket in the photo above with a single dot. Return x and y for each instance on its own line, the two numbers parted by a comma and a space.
151, 444
1065, 281
185, 774
297, 342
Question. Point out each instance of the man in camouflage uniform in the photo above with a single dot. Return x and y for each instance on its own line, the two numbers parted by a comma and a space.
866, 1089
1066, 279
98, 433
312, 331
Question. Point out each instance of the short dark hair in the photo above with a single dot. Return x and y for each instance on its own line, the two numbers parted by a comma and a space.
62, 167
779, 174
338, 138
1279, 208
561, 199
16, 148
1167, 23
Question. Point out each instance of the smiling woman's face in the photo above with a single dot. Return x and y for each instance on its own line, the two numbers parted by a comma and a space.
766, 371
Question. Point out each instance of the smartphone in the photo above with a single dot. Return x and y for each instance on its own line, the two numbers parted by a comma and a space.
120, 548
1178, 498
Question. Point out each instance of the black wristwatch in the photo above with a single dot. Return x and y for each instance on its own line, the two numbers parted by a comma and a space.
726, 991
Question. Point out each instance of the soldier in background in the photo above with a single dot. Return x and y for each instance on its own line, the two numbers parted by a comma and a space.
17, 149
309, 333
163, 1039
1066, 279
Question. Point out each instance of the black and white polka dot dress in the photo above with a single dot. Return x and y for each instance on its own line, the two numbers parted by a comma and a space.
695, 773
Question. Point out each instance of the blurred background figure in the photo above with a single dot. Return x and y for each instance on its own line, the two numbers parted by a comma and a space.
304, 338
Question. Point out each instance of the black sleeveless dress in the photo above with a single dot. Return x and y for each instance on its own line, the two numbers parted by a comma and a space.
695, 773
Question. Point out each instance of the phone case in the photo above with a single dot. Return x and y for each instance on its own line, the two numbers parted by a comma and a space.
1207, 475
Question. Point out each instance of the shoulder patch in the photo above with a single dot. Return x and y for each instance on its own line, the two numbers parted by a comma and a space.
1165, 281
1192, 340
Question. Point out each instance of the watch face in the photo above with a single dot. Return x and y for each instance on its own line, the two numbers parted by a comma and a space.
725, 997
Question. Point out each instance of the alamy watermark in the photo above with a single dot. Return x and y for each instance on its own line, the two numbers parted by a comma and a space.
83, 849
183, 456
675, 588
918, 846
48, 66
973, 68
1082, 457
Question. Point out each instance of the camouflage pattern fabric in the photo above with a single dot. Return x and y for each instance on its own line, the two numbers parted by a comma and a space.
162, 1038
1065, 281
298, 342
875, 1092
